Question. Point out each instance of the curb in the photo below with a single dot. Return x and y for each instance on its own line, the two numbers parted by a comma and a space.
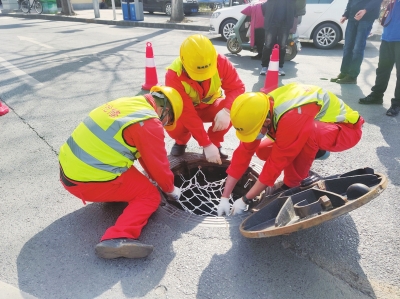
178, 26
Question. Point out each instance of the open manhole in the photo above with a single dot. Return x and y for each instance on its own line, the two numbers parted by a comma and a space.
202, 184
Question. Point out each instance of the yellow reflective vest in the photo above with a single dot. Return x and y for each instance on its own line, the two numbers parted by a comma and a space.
294, 95
213, 93
96, 150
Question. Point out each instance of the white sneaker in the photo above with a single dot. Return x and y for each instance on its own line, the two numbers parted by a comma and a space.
281, 72
263, 70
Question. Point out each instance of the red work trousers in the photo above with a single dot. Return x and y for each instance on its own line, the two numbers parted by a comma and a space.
333, 137
207, 114
132, 187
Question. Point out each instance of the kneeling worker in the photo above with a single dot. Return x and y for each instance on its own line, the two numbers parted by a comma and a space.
300, 121
96, 164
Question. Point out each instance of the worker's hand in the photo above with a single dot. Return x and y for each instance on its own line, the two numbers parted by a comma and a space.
238, 207
174, 195
223, 206
342, 20
360, 14
212, 154
222, 120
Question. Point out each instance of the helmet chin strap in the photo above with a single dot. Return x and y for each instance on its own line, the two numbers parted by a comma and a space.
161, 96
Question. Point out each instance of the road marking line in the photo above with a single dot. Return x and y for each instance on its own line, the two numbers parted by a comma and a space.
19, 73
33, 41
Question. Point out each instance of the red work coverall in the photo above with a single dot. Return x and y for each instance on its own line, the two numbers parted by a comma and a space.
132, 186
297, 139
192, 118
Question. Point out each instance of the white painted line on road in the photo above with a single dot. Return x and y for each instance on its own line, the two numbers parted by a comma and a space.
21, 74
8, 291
32, 40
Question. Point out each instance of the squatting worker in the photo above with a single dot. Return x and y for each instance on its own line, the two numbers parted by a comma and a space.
299, 120
208, 84
96, 164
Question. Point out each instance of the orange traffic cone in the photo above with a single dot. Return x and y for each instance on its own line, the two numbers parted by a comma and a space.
151, 72
3, 109
271, 78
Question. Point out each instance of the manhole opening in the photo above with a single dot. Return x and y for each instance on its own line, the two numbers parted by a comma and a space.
202, 185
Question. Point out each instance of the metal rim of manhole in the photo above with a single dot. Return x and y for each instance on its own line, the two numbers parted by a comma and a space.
187, 164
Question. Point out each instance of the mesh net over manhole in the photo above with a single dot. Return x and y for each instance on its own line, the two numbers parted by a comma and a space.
202, 184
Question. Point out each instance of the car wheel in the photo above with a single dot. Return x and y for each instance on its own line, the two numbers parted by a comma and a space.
227, 28
168, 8
326, 36
233, 45
291, 51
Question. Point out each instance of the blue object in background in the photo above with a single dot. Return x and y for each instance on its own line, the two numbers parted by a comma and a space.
125, 11
132, 11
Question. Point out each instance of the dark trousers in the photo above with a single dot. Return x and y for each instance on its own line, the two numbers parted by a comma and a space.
354, 45
275, 34
259, 37
389, 55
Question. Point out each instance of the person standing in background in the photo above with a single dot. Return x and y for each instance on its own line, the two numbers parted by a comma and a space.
278, 20
360, 15
389, 55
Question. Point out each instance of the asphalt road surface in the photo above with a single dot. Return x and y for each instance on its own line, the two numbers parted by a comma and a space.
53, 73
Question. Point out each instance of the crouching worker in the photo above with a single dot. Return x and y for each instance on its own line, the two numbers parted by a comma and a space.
301, 122
96, 164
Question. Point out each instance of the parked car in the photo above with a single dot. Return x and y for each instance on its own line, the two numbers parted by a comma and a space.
320, 23
189, 6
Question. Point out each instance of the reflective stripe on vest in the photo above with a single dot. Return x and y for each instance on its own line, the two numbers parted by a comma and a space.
96, 150
295, 95
213, 93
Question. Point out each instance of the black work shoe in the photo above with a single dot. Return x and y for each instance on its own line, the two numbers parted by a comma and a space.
347, 80
322, 155
393, 110
178, 150
128, 248
257, 57
222, 153
371, 100
340, 76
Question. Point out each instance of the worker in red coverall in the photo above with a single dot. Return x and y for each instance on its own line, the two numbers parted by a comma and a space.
300, 121
208, 84
96, 164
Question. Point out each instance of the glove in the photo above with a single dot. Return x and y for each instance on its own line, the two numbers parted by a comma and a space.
212, 154
174, 195
238, 207
221, 120
223, 207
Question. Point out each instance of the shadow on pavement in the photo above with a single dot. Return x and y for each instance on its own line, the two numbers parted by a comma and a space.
279, 267
59, 262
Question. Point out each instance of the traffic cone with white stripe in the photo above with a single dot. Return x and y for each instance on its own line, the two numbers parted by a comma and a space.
151, 72
3, 109
271, 78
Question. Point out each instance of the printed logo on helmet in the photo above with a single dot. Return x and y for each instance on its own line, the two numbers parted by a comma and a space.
204, 66
238, 129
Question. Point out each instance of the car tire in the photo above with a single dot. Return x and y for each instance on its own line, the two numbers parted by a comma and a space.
168, 8
326, 36
227, 28
233, 45
291, 51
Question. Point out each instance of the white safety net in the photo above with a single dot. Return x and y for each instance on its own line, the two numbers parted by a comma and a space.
199, 196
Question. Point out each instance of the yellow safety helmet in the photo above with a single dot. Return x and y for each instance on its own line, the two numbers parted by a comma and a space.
248, 113
174, 98
199, 57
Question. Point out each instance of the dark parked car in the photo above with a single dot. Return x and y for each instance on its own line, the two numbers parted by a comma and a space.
189, 6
